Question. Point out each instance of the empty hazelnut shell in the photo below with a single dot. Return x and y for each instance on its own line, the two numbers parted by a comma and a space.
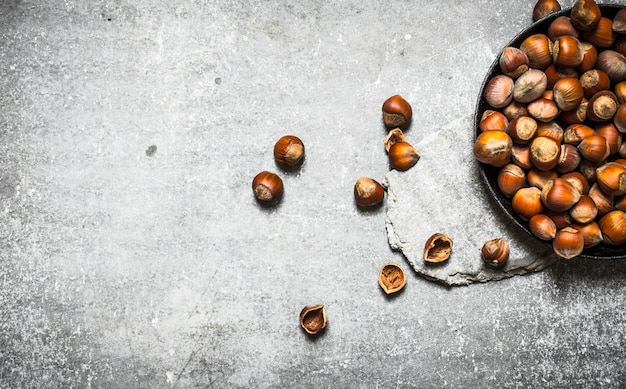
437, 248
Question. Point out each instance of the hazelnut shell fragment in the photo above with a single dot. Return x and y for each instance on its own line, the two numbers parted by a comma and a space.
313, 319
437, 248
391, 278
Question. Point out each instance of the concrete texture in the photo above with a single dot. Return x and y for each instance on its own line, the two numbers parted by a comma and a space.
135, 256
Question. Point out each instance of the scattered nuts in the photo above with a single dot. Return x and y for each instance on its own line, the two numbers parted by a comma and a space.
391, 278
437, 248
267, 187
368, 192
313, 319
289, 151
403, 156
495, 252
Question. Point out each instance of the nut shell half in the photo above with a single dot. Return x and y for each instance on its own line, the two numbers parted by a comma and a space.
437, 248
391, 278
313, 319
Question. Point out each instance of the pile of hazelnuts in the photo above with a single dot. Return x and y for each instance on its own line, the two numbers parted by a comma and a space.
554, 126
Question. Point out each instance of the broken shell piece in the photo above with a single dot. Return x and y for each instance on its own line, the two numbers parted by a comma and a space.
391, 278
313, 318
438, 248
394, 136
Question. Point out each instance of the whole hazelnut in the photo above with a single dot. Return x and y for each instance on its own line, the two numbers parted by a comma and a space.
493, 148
267, 187
568, 243
289, 151
402, 156
368, 192
544, 8
397, 112
495, 252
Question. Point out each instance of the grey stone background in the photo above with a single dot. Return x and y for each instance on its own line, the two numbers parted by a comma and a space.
133, 254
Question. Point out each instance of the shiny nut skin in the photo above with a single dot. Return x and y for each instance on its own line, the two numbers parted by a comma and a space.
495, 252
542, 226
602, 35
289, 151
544, 153
391, 278
402, 156
313, 319
585, 14
613, 227
510, 179
397, 112
584, 211
513, 62
559, 195
267, 187
526, 202
368, 192
438, 248
538, 49
568, 93
594, 148
592, 235
568, 243
493, 148
498, 91
567, 51
545, 8
611, 178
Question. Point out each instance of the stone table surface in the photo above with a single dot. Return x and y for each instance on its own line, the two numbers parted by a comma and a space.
135, 256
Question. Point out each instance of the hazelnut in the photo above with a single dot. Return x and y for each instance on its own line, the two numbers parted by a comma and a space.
522, 129
544, 8
575, 133
391, 278
403, 156
593, 81
584, 211
437, 248
620, 91
538, 49
613, 227
619, 119
559, 195
313, 319
569, 159
514, 110
493, 148
602, 106
267, 187
520, 155
368, 192
542, 226
568, 243
544, 152
561, 25
513, 62
611, 178
530, 86
510, 179
526, 202
592, 235
602, 35
495, 252
397, 112
539, 178
568, 93
576, 115
619, 21
567, 51
594, 148
543, 109
289, 151
611, 134
585, 14
493, 120
613, 64
577, 179
590, 56
603, 201
552, 130
498, 91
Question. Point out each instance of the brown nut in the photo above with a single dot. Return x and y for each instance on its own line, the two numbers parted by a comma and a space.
611, 134
492, 120
313, 319
437, 248
567, 93
498, 91
594, 148
567, 51
552, 130
543, 109
613, 227
493, 148
619, 119
403, 156
267, 187
394, 136
568, 243
591, 233
391, 278
559, 195
522, 129
539, 178
542, 226
538, 49
585, 14
397, 112
510, 179
368, 192
579, 181
593, 81
602, 106
613, 64
544, 153
530, 86
584, 211
569, 159
544, 8
513, 62
560, 26
619, 21
590, 56
495, 252
602, 35
526, 202
611, 178
575, 133
520, 155
289, 151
